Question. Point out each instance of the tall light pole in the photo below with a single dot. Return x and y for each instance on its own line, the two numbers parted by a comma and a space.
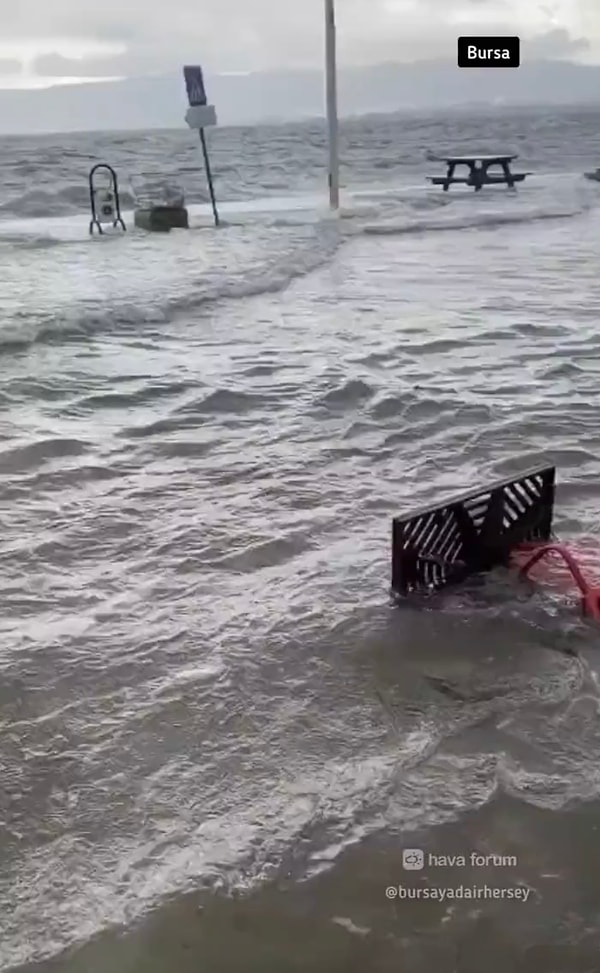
331, 95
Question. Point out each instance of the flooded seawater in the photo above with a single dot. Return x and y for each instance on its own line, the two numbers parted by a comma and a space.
217, 735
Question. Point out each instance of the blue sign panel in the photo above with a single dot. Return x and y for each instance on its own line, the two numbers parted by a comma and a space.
194, 83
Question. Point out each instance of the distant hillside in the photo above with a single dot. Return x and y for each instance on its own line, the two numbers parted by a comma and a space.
159, 102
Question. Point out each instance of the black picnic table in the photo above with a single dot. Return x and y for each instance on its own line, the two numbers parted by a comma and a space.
478, 166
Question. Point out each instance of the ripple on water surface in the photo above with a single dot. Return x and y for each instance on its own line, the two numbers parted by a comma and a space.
200, 675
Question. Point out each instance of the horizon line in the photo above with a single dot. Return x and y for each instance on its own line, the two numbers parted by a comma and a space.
33, 82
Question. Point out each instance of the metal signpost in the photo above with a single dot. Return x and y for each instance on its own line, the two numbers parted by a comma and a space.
198, 116
332, 115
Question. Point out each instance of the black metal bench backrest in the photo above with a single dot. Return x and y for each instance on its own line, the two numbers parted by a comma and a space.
474, 532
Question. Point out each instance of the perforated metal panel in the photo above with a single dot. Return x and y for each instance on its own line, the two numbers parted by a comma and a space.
471, 533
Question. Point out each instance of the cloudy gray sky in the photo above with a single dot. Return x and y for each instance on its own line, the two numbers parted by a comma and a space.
50, 39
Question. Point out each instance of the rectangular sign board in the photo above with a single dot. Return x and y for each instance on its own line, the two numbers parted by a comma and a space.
201, 116
194, 84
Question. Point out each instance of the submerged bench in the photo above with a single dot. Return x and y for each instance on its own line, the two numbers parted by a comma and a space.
161, 219
479, 175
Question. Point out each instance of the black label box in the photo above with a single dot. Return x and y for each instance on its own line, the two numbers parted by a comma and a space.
489, 52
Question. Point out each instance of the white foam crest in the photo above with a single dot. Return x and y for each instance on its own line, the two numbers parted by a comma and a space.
240, 848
